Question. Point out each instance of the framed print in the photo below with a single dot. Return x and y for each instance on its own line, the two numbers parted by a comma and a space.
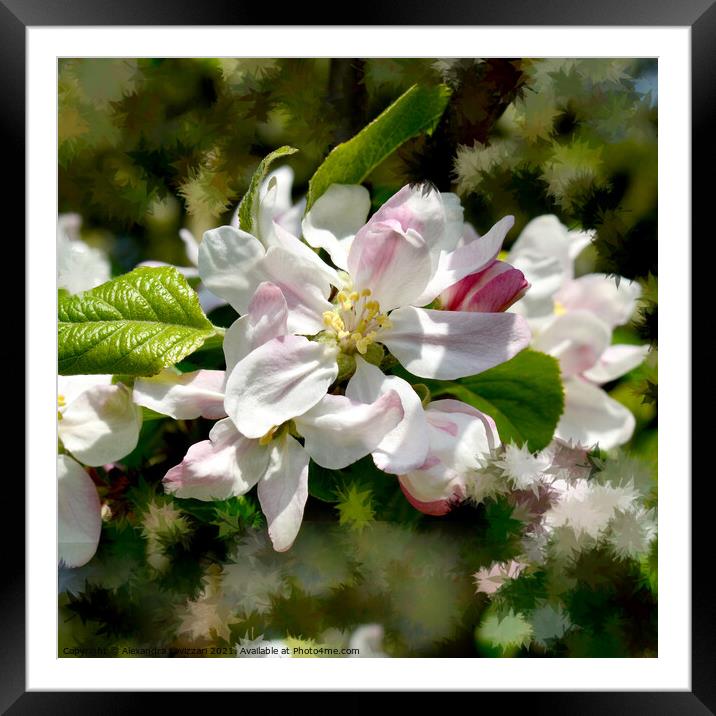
357, 354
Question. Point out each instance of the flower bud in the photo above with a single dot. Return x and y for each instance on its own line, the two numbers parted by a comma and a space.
492, 290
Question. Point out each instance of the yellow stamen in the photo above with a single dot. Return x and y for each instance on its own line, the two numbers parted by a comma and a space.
366, 292
61, 401
559, 308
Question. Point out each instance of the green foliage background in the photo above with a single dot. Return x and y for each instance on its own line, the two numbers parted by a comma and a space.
149, 146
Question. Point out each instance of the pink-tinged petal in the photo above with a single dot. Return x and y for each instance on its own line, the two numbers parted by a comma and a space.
334, 219
591, 416
79, 522
191, 246
436, 508
448, 405
101, 425
465, 260
229, 262
338, 431
277, 382
436, 217
615, 362
461, 437
453, 344
491, 290
601, 295
405, 447
394, 264
267, 318
576, 339
183, 396
226, 465
306, 290
283, 491
461, 440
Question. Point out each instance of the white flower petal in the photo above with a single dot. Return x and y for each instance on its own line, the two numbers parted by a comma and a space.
591, 416
546, 237
226, 465
406, 446
79, 266
461, 439
338, 431
267, 318
601, 295
278, 381
70, 387
229, 265
305, 288
79, 522
283, 491
453, 344
101, 425
191, 246
577, 339
295, 246
615, 362
183, 396
334, 219
468, 259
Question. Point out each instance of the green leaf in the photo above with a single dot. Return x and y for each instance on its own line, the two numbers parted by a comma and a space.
414, 112
136, 324
248, 208
524, 396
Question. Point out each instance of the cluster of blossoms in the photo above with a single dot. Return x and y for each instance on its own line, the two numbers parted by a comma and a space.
304, 377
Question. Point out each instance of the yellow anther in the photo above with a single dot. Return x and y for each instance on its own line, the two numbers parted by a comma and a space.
332, 320
366, 292
342, 335
559, 309
266, 439
61, 401
354, 296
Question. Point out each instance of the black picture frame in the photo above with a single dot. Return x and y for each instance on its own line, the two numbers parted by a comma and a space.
699, 15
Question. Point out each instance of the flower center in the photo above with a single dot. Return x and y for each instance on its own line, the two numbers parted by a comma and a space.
355, 321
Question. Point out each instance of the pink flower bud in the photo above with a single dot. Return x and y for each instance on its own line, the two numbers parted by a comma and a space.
492, 290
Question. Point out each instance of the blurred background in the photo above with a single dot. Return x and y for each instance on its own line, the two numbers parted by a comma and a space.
151, 146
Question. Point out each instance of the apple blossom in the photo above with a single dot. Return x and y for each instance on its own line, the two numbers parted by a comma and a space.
79, 266
400, 260
434, 450
275, 390
572, 320
97, 421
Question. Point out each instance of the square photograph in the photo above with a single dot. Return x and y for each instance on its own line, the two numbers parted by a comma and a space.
357, 357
